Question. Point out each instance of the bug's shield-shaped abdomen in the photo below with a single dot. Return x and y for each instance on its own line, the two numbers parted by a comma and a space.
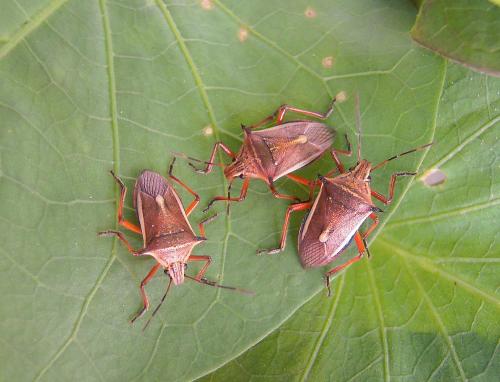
330, 225
290, 146
160, 210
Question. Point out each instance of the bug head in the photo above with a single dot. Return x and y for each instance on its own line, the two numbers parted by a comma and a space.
362, 170
176, 272
234, 170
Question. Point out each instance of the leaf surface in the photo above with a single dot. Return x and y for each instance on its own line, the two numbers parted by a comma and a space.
90, 86
465, 31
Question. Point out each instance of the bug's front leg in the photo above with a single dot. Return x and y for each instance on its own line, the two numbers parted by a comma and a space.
210, 163
201, 225
392, 184
203, 270
336, 152
144, 296
243, 195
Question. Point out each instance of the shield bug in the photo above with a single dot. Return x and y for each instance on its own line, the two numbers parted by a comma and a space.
166, 232
342, 205
272, 153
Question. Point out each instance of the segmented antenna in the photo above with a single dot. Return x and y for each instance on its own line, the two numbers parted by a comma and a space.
158, 307
358, 124
214, 284
419, 148
186, 157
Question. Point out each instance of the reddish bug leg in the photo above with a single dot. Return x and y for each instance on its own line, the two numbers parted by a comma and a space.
210, 163
291, 208
336, 159
243, 195
371, 227
282, 196
145, 299
361, 250
120, 236
123, 192
203, 270
392, 184
279, 114
201, 225
299, 179
311, 184
196, 200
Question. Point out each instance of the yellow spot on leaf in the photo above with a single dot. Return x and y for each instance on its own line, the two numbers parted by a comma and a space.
207, 130
242, 34
207, 4
310, 13
341, 96
327, 62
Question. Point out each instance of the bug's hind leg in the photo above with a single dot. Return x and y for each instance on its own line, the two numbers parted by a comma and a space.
291, 208
361, 251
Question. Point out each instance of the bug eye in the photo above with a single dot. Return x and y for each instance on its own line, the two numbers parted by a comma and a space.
369, 178
185, 266
240, 176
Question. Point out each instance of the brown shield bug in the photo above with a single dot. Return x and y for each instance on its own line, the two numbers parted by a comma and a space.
166, 232
342, 205
272, 153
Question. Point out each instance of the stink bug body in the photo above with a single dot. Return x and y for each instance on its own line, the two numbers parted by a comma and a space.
274, 152
342, 205
167, 234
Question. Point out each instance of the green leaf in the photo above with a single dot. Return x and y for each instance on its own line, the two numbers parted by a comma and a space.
426, 306
90, 86
466, 31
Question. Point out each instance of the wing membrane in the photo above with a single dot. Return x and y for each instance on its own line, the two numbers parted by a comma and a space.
295, 144
159, 208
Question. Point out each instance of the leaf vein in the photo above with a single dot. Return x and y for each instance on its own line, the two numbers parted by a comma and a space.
380, 317
326, 327
30, 26
439, 321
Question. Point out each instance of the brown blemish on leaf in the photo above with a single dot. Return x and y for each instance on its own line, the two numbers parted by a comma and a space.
310, 13
207, 4
327, 62
207, 130
242, 34
341, 96
434, 177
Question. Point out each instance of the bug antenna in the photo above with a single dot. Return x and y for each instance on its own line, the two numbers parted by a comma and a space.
419, 148
186, 157
215, 285
159, 305
368, 254
229, 196
358, 125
